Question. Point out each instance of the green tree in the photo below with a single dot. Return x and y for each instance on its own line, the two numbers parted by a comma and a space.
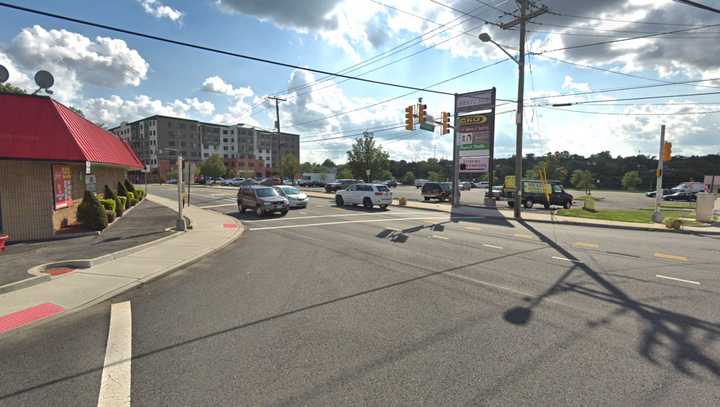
365, 155
323, 173
435, 176
408, 178
386, 175
631, 180
213, 167
230, 172
8, 88
344, 173
582, 179
290, 166
328, 163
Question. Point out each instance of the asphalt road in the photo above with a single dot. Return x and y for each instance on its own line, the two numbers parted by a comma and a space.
343, 306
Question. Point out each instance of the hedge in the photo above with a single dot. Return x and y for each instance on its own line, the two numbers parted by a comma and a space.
108, 204
110, 216
139, 194
123, 202
109, 194
130, 187
91, 213
131, 199
121, 190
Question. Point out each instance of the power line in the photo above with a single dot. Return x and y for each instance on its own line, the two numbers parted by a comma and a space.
560, 14
632, 114
213, 50
623, 39
462, 12
698, 5
574, 27
352, 135
583, 102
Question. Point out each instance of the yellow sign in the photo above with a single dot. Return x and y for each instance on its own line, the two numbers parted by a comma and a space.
510, 182
473, 119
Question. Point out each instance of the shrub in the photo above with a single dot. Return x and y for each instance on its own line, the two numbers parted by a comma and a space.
139, 193
131, 199
108, 193
110, 216
673, 223
91, 213
130, 187
119, 207
108, 204
133, 202
121, 190
123, 202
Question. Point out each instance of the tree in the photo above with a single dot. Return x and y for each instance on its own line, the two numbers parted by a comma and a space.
213, 167
344, 173
328, 163
323, 173
76, 110
631, 180
290, 166
582, 179
435, 176
386, 175
8, 88
230, 172
91, 213
408, 178
365, 155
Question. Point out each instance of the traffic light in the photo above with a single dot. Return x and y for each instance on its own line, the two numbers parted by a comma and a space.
409, 124
445, 123
422, 112
667, 151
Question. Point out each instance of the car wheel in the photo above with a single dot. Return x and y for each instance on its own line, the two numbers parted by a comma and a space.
528, 203
567, 204
339, 201
546, 206
283, 213
241, 208
383, 207
511, 203
367, 203
427, 198
259, 212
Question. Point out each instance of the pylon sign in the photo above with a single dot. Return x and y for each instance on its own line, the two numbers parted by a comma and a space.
475, 131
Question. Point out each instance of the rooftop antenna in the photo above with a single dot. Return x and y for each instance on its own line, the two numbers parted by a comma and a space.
44, 80
4, 74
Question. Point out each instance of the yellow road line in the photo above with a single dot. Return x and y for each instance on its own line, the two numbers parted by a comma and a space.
471, 228
587, 245
670, 257
438, 237
524, 236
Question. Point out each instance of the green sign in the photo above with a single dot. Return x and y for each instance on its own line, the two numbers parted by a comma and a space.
474, 146
427, 126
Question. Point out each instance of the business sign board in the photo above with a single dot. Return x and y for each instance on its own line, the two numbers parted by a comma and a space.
475, 164
474, 139
62, 186
475, 101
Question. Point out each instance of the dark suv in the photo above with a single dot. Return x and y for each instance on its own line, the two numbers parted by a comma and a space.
437, 190
261, 199
339, 184
533, 191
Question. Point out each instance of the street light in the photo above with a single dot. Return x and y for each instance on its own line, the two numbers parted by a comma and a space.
520, 61
180, 221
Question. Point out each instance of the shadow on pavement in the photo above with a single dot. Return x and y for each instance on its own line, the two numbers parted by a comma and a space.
681, 336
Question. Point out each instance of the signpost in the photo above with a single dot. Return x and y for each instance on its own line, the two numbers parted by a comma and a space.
474, 136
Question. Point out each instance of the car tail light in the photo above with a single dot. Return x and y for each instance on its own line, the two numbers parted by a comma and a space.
379, 193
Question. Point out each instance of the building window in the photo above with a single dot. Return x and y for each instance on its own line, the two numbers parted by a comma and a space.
225, 148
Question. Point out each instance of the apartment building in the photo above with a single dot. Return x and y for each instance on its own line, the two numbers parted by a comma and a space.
248, 150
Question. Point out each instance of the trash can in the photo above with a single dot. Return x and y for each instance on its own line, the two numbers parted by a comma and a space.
705, 207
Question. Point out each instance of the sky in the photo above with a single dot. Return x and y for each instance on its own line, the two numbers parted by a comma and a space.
114, 77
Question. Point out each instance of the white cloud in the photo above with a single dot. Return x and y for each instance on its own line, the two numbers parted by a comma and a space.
114, 110
160, 10
306, 15
240, 109
217, 84
75, 60
570, 84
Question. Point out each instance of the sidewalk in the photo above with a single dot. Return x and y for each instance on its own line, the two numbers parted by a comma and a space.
146, 222
539, 217
84, 287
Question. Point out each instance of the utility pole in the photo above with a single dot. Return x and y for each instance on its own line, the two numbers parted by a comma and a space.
657, 215
522, 21
277, 127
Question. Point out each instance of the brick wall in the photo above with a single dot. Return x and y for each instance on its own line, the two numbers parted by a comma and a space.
26, 199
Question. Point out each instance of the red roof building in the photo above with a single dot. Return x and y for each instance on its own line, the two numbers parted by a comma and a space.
46, 150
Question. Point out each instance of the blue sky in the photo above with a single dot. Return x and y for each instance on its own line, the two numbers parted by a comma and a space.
114, 77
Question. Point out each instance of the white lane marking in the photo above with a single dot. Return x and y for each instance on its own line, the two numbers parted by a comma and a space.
472, 228
677, 279
307, 225
566, 259
587, 245
524, 236
115, 382
670, 256
217, 206
492, 246
439, 237
328, 216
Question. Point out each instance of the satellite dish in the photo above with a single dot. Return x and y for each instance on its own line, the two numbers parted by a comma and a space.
44, 79
4, 74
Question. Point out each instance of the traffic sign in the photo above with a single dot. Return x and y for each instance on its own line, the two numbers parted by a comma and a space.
427, 126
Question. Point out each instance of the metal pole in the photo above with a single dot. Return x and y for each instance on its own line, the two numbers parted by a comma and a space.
180, 222
189, 165
456, 158
519, 117
657, 215
491, 163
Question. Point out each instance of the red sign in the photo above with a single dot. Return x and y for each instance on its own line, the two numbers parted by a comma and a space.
62, 186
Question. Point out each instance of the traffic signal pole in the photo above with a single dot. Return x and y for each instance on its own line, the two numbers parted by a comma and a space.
657, 215
519, 113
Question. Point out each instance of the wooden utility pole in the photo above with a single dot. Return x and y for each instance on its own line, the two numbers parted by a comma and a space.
277, 128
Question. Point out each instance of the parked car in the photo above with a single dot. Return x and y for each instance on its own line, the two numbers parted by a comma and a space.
495, 193
533, 192
339, 184
652, 194
261, 199
172, 181
367, 195
681, 196
693, 187
392, 183
437, 190
270, 181
420, 182
480, 184
464, 185
295, 197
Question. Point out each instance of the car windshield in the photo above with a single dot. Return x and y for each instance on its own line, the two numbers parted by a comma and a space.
266, 192
382, 188
290, 190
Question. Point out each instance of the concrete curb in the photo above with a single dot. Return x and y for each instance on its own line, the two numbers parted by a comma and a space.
134, 284
28, 282
695, 231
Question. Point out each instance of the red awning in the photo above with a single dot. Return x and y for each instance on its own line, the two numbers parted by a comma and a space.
40, 128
